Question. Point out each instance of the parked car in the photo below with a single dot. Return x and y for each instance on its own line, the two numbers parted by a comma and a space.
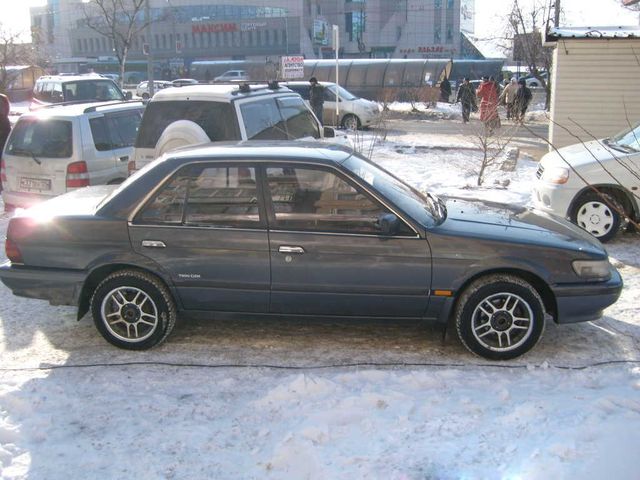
297, 229
52, 89
354, 112
54, 150
232, 76
142, 90
533, 82
594, 184
178, 117
182, 82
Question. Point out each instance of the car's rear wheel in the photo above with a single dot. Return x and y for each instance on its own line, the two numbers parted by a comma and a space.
350, 122
133, 310
597, 216
499, 317
145, 96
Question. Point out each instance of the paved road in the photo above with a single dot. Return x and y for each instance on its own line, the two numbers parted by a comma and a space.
526, 137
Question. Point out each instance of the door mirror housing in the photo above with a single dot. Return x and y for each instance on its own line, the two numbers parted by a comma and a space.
388, 224
329, 132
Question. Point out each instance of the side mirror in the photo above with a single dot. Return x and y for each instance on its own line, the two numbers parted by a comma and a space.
128, 95
388, 224
329, 132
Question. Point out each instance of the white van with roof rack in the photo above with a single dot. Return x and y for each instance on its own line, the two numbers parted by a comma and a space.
56, 149
178, 117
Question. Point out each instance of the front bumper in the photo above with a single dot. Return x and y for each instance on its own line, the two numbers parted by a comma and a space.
58, 286
555, 199
585, 302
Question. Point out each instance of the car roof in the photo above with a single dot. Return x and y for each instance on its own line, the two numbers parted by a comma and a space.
220, 93
251, 150
76, 109
72, 78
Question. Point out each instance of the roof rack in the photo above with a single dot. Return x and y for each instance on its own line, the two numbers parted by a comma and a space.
245, 85
93, 108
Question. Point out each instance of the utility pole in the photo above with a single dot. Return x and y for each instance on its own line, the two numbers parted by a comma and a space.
556, 19
336, 45
147, 14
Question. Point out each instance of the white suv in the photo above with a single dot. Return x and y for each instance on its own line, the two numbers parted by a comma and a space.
178, 117
596, 185
60, 148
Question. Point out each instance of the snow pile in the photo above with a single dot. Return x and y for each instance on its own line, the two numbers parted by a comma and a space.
341, 399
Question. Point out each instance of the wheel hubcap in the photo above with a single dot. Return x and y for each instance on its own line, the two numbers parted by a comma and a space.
129, 314
596, 218
502, 322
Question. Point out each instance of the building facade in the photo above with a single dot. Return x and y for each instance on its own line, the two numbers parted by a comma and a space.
186, 30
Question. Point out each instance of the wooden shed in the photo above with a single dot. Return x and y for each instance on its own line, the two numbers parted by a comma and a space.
595, 82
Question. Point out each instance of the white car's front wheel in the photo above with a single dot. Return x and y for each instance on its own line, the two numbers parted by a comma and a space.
598, 215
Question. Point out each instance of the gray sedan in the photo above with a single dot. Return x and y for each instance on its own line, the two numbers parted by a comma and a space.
296, 229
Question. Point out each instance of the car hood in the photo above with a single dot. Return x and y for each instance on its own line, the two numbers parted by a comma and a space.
513, 224
580, 154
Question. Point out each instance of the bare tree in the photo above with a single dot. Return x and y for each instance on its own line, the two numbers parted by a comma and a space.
12, 52
525, 25
119, 21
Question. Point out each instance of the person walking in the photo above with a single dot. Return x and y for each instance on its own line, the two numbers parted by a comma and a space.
508, 95
488, 94
521, 101
445, 90
316, 98
467, 98
5, 124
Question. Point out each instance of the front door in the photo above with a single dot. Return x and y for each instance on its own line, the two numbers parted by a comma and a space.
328, 257
207, 228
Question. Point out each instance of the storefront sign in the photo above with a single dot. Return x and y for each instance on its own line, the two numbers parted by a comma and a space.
292, 67
214, 27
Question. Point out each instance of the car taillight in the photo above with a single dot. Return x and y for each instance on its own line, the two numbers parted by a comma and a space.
12, 251
131, 167
77, 175
3, 172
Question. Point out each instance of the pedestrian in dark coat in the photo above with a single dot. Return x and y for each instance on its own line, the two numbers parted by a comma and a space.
467, 98
5, 124
316, 97
521, 101
445, 90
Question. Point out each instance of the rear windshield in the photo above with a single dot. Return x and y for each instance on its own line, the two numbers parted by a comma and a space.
41, 138
217, 119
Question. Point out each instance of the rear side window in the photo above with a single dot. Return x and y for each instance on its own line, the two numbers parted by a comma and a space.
115, 130
217, 119
41, 138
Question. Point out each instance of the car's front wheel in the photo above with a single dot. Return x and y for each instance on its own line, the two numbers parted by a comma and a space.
145, 96
499, 317
596, 215
351, 122
133, 310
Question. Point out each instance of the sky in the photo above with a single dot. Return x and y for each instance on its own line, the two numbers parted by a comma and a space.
15, 14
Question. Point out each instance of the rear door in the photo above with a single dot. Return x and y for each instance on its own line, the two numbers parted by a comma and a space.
207, 228
37, 154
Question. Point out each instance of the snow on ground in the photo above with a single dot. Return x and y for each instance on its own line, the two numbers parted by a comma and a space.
317, 399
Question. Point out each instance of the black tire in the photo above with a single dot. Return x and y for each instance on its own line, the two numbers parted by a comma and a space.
133, 310
499, 317
351, 122
595, 215
145, 96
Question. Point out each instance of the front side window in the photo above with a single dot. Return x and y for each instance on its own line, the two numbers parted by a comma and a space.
262, 120
115, 131
41, 138
298, 119
319, 200
216, 196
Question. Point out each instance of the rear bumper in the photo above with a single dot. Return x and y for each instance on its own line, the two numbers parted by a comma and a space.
584, 302
58, 286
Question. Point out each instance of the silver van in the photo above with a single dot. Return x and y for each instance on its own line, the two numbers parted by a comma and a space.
57, 149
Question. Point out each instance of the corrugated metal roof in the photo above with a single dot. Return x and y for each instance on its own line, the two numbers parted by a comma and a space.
593, 32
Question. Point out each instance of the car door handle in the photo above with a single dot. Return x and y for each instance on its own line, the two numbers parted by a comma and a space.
288, 249
125, 158
153, 244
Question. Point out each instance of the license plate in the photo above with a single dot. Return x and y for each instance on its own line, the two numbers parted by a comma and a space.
27, 183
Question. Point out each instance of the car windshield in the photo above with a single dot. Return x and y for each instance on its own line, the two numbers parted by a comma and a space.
628, 139
344, 94
426, 209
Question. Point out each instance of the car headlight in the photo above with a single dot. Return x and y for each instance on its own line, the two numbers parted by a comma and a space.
592, 269
558, 175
